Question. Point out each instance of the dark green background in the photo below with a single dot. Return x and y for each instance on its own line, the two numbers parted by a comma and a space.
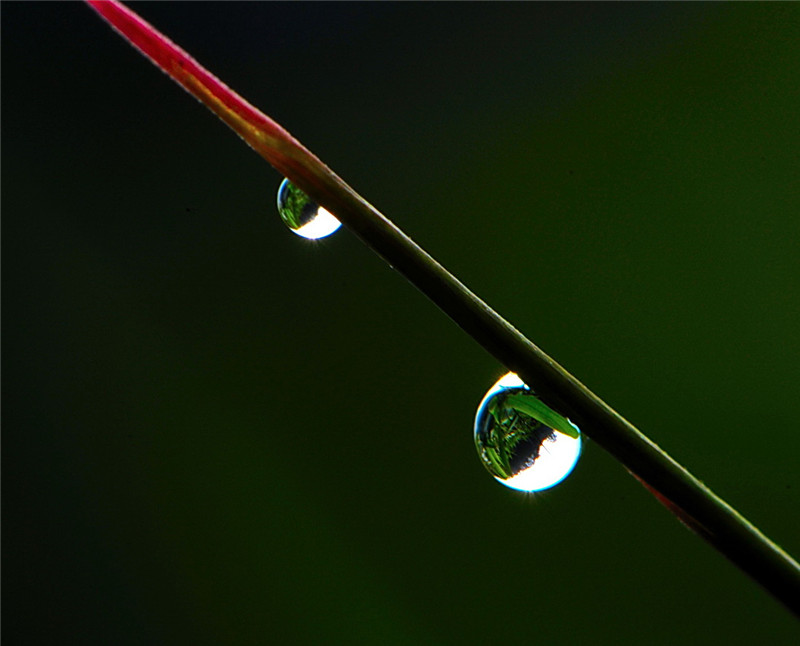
217, 432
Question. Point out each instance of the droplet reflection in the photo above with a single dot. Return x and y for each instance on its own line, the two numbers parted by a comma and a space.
521, 441
302, 215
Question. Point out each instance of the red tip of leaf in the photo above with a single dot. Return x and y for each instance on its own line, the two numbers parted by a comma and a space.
263, 134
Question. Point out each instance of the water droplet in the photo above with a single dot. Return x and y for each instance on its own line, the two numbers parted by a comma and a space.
523, 442
302, 214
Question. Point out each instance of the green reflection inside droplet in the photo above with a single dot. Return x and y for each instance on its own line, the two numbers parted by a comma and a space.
521, 441
302, 215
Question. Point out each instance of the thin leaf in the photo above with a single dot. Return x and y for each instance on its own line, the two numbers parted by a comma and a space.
694, 503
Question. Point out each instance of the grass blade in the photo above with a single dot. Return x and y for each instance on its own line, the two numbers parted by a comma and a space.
686, 496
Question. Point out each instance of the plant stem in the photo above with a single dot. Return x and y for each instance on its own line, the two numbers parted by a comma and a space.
686, 496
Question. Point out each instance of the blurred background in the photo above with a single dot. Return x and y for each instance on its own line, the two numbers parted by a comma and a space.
217, 432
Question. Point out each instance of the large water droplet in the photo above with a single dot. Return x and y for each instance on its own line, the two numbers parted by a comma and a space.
302, 214
523, 442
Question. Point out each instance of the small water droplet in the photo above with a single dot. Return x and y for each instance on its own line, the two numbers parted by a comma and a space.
523, 442
302, 214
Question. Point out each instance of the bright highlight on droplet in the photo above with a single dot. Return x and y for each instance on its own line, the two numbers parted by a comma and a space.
521, 441
302, 214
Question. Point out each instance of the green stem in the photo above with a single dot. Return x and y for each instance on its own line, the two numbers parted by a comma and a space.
694, 503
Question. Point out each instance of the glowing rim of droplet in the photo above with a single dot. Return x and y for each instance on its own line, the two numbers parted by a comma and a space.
568, 449
322, 224
548, 470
